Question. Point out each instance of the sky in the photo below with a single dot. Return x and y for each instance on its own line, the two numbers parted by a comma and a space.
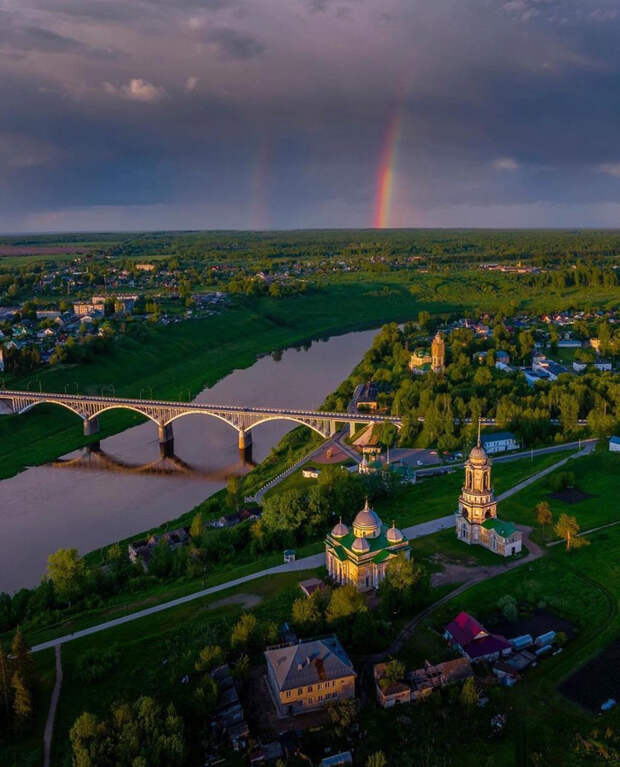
263, 114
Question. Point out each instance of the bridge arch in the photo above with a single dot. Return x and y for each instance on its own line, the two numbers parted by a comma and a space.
277, 417
51, 401
243, 427
121, 406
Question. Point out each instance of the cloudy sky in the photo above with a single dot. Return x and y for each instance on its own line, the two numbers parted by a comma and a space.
134, 114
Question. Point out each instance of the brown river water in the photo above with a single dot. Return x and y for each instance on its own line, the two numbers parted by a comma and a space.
90, 500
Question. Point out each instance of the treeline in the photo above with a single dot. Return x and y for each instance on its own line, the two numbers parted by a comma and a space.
468, 390
19, 684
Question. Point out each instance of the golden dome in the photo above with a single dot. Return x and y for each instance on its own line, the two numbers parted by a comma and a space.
394, 535
366, 523
340, 530
361, 546
478, 456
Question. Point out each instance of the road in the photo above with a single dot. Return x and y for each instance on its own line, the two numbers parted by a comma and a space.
51, 714
305, 563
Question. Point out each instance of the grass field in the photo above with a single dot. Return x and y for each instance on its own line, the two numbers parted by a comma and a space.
597, 474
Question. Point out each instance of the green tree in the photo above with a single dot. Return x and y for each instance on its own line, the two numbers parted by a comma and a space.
306, 614
543, 515
568, 528
22, 657
65, 568
394, 672
234, 493
345, 602
377, 759
5, 683
245, 632
210, 657
22, 700
509, 607
468, 696
197, 527
342, 714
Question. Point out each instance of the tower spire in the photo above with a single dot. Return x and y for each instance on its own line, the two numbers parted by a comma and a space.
479, 420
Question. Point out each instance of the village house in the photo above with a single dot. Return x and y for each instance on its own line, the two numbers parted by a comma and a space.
367, 396
500, 442
473, 641
419, 684
141, 551
309, 675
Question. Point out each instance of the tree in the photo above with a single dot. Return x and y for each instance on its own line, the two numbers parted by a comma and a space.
205, 695
397, 588
306, 614
376, 760
509, 607
5, 682
66, 569
210, 657
241, 669
568, 528
342, 714
22, 699
22, 657
244, 632
468, 696
197, 527
394, 672
543, 515
234, 493
345, 601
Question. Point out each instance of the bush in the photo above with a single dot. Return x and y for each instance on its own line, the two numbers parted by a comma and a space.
93, 665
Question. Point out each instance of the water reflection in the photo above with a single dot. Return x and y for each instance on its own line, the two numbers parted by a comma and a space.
93, 458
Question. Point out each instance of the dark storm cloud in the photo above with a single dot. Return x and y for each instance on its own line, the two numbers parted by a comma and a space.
212, 109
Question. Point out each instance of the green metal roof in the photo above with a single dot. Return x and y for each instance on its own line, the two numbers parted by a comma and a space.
382, 556
340, 553
503, 529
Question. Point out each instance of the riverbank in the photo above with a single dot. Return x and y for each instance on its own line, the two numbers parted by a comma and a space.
178, 361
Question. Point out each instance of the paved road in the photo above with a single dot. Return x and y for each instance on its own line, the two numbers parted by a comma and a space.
51, 715
315, 560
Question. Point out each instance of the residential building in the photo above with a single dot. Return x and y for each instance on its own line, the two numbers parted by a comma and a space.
419, 684
476, 517
473, 641
367, 397
547, 368
502, 356
141, 551
360, 555
614, 444
500, 442
309, 675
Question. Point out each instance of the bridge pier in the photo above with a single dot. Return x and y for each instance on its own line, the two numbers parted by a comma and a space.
91, 426
245, 439
165, 435
352, 426
333, 428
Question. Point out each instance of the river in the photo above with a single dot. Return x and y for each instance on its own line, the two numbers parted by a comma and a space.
90, 500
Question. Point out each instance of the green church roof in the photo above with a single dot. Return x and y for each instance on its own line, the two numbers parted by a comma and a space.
503, 529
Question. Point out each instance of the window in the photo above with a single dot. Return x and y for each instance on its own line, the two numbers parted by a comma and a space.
320, 687
310, 699
310, 688
288, 693
299, 692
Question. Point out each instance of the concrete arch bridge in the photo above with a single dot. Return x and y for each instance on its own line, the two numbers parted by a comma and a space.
164, 413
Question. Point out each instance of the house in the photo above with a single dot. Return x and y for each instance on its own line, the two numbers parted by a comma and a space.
289, 556
473, 641
420, 683
310, 473
569, 343
602, 365
367, 397
547, 368
614, 444
310, 585
309, 675
141, 551
229, 716
337, 760
502, 356
499, 442
595, 343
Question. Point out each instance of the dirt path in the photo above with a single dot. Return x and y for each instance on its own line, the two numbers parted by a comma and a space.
51, 714
245, 600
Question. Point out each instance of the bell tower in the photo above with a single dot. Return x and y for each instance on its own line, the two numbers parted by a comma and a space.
438, 353
477, 501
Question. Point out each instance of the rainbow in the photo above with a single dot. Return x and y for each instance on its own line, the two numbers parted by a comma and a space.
385, 176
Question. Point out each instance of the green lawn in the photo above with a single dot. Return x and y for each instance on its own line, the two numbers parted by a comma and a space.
597, 474
448, 546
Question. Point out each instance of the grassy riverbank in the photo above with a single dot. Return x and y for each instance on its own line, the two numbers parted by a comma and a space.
178, 361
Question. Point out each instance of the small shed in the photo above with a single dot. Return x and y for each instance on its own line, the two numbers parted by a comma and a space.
289, 556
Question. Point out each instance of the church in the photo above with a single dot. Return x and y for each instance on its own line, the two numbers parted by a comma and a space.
476, 518
360, 555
